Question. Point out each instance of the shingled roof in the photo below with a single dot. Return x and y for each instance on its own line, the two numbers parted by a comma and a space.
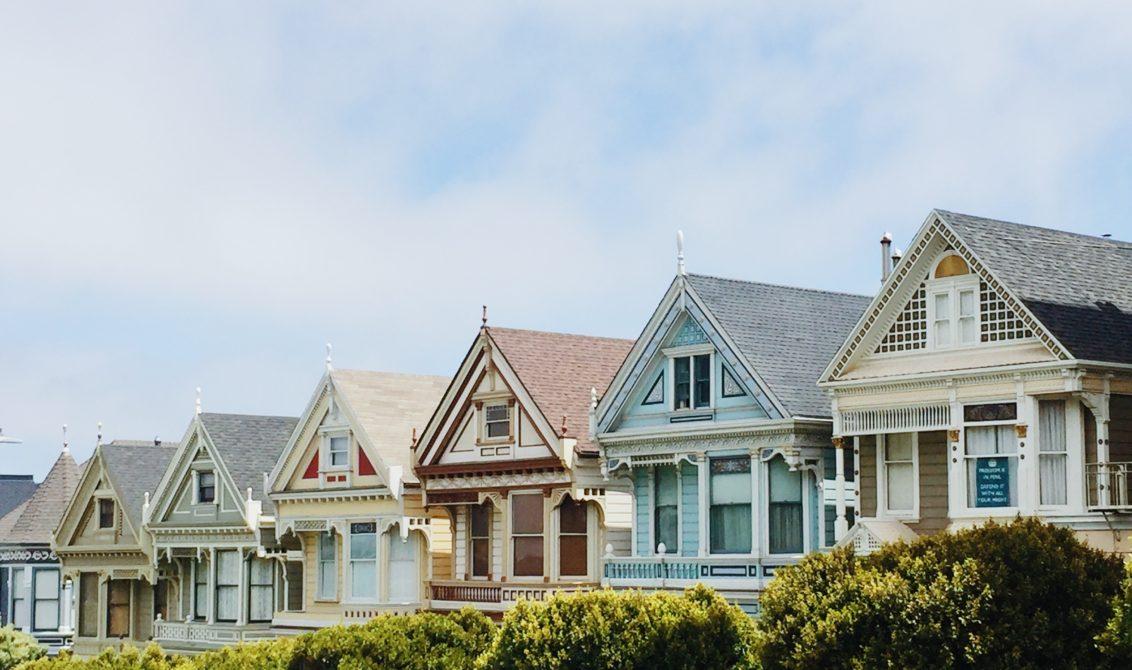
787, 334
1077, 285
14, 490
135, 467
249, 445
558, 370
35, 521
389, 405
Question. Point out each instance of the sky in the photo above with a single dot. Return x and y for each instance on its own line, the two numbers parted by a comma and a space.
205, 193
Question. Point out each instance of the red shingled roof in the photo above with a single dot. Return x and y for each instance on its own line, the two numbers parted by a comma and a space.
558, 370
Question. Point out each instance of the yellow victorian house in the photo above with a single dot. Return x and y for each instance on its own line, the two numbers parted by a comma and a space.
352, 533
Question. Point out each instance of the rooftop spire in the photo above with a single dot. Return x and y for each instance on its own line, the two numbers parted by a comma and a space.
198, 400
680, 253
66, 447
484, 318
99, 441
329, 351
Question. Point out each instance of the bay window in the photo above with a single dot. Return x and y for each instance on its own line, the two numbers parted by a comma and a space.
227, 585
665, 512
363, 561
46, 599
899, 491
526, 532
118, 608
573, 553
261, 590
1053, 452
327, 567
730, 514
691, 381
480, 539
991, 455
785, 513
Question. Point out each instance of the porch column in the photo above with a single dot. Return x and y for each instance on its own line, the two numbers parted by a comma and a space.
1105, 475
841, 523
857, 475
704, 503
755, 507
103, 603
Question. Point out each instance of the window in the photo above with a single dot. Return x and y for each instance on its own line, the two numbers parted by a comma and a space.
363, 561
1053, 452
692, 375
954, 304
655, 396
526, 541
261, 589
118, 608
19, 598
730, 515
665, 509
200, 589
991, 454
46, 596
573, 556
339, 451
88, 604
105, 513
228, 565
206, 487
497, 421
785, 522
899, 450
481, 539
327, 567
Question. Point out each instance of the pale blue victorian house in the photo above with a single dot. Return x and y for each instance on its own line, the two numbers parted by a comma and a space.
716, 424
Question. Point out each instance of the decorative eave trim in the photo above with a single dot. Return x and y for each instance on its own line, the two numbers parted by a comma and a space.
947, 378
202, 530
12, 555
326, 495
708, 430
93, 552
500, 467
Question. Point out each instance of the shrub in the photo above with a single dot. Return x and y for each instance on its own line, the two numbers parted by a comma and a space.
624, 630
1021, 595
267, 655
129, 658
1116, 639
16, 647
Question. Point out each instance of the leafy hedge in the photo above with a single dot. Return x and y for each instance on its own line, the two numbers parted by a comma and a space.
1021, 595
17, 647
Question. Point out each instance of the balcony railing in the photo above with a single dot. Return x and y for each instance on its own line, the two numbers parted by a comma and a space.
199, 633
1108, 486
732, 572
500, 594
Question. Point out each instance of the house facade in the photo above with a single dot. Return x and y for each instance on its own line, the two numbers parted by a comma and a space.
991, 377
716, 425
105, 551
353, 534
36, 597
511, 479
213, 533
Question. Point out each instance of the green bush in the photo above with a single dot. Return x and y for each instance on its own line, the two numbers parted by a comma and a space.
609, 630
1021, 595
1116, 639
17, 647
129, 658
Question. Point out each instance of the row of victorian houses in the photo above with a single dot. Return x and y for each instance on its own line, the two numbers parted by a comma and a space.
746, 426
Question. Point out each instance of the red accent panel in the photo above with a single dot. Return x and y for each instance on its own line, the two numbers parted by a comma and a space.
312, 469
364, 466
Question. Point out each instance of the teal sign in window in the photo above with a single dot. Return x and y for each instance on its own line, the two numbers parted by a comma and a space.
992, 482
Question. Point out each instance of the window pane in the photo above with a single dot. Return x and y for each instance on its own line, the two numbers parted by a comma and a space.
942, 333
573, 556
326, 547
942, 306
967, 331
88, 604
966, 303
105, 513
730, 480
1051, 425
682, 381
118, 609
363, 579
898, 447
703, 380
666, 528
46, 584
990, 481
228, 568
363, 546
572, 517
785, 508
340, 450
528, 556
481, 520
899, 482
527, 512
785, 486
1053, 471
481, 558
666, 493
730, 529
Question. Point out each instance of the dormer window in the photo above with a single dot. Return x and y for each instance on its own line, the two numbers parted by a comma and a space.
339, 451
691, 382
497, 421
953, 304
206, 487
105, 513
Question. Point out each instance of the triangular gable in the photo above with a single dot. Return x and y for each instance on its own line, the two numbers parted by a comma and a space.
453, 428
80, 508
899, 293
175, 489
681, 319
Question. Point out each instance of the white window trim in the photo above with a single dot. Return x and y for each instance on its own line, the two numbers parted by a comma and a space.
883, 512
1074, 456
468, 570
320, 597
215, 487
547, 568
807, 531
347, 595
690, 351
679, 513
961, 470
326, 461
952, 286
512, 417
757, 480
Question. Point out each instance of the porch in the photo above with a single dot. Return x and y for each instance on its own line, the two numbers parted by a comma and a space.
196, 636
495, 596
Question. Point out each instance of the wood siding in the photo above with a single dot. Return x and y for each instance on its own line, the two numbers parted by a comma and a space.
933, 483
442, 566
868, 476
1120, 428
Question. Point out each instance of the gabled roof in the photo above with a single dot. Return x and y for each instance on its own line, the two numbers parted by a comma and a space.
787, 334
1078, 286
559, 370
249, 445
14, 490
134, 468
36, 521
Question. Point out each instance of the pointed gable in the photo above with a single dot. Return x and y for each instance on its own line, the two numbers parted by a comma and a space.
135, 468
37, 520
249, 446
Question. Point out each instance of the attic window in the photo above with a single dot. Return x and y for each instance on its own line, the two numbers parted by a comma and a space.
339, 450
497, 421
692, 375
206, 487
655, 396
951, 266
105, 513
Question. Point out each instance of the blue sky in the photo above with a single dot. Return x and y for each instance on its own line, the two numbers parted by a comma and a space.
204, 194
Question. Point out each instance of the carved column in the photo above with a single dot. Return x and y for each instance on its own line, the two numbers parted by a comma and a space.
841, 523
702, 464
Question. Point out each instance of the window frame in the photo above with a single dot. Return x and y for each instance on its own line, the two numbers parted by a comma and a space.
198, 488
353, 564
253, 587
964, 458
752, 504
654, 515
805, 482
13, 600
584, 534
113, 513
954, 288
516, 535
205, 567
34, 600
470, 571
691, 352
126, 585
326, 538
1067, 422
883, 461
240, 565
327, 462
485, 425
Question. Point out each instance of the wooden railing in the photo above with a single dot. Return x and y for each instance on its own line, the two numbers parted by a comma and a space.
467, 592
499, 593
680, 571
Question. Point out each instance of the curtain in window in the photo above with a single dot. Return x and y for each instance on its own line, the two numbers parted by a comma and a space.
665, 509
118, 608
200, 589
261, 589
995, 451
785, 518
227, 585
363, 561
899, 474
1053, 459
19, 598
327, 567
46, 599
730, 515
88, 604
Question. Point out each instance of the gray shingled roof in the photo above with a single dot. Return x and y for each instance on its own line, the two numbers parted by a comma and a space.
1078, 286
42, 512
14, 489
135, 468
249, 445
787, 334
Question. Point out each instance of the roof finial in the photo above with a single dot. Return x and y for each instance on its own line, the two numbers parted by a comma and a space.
99, 441
329, 352
484, 318
66, 447
414, 437
680, 253
593, 398
564, 427
198, 400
